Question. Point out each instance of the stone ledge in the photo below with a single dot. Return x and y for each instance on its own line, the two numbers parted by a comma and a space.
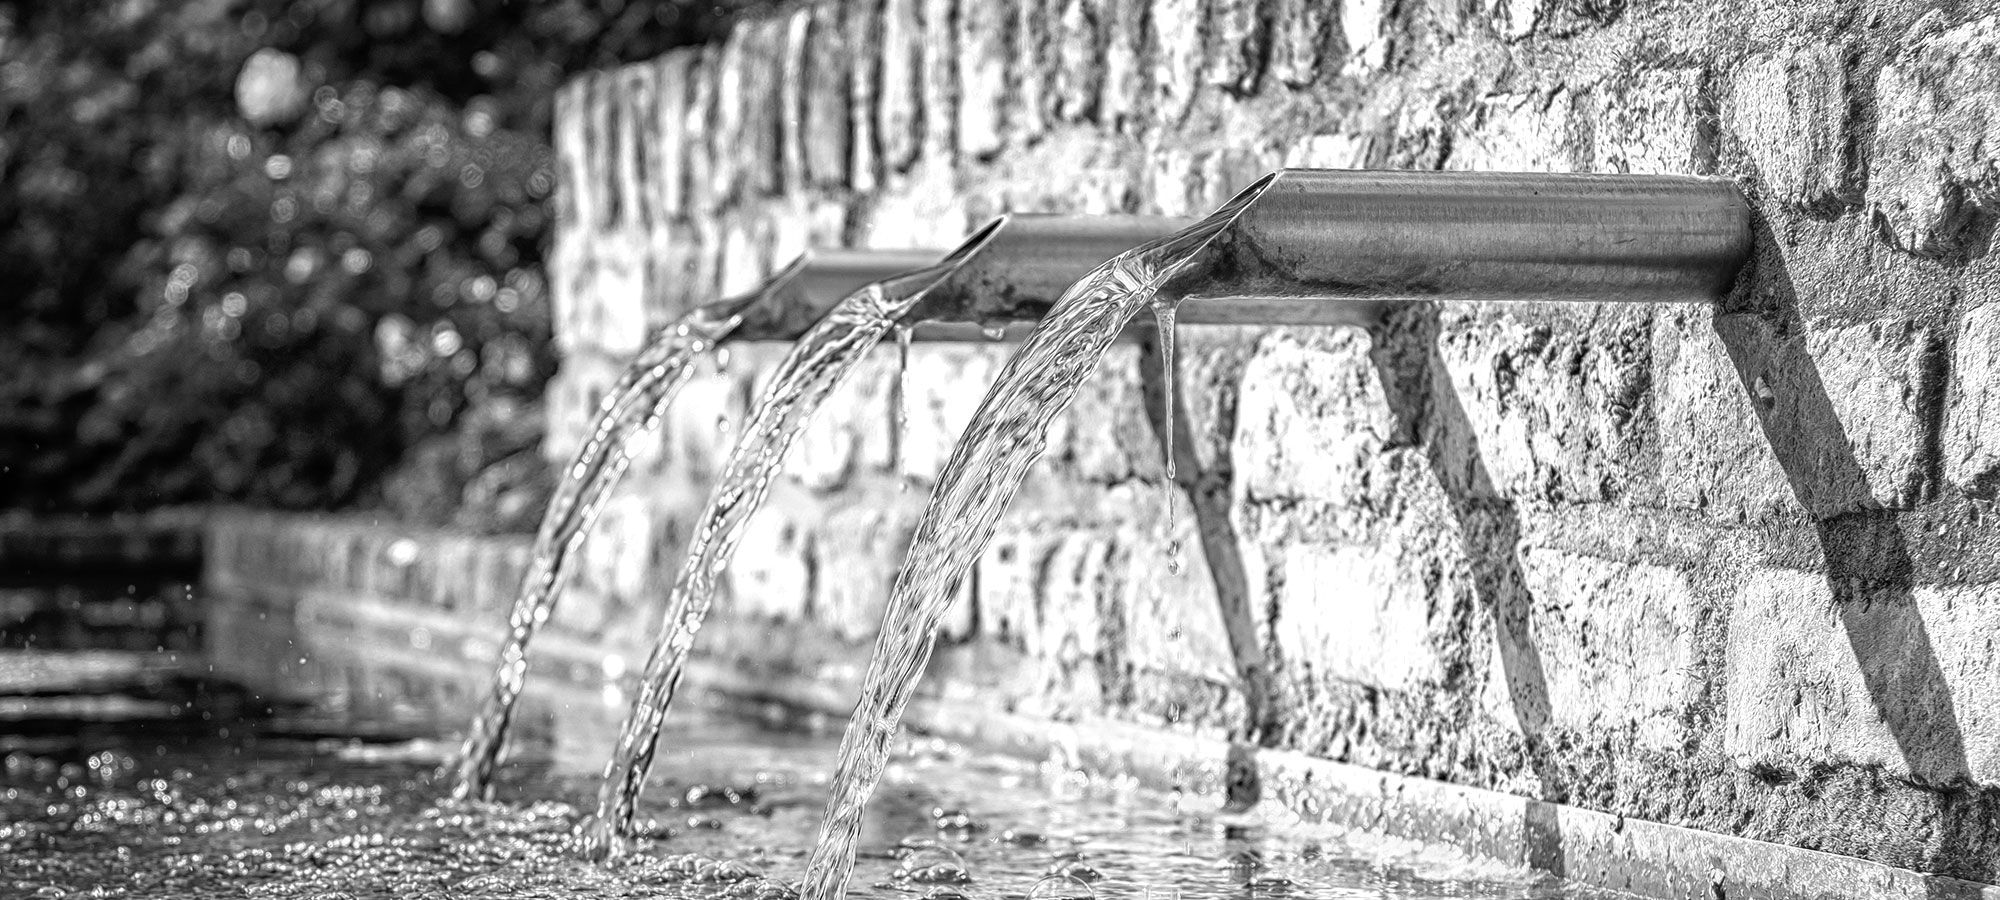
1592, 848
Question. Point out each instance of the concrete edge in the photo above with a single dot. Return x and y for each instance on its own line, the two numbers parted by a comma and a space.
1634, 856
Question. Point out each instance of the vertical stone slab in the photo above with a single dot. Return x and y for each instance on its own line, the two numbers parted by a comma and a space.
668, 134
1121, 99
633, 108
827, 129
1238, 37
899, 105
601, 142
862, 21
1936, 147
1079, 58
1033, 69
1971, 444
939, 76
1305, 35
1789, 112
757, 156
985, 32
1176, 58
792, 98
698, 124
576, 196
729, 138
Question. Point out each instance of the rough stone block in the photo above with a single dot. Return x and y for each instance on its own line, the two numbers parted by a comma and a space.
1559, 410
632, 114
1519, 134
1789, 111
1935, 160
771, 575
1031, 75
1651, 124
1351, 613
1713, 454
1971, 440
861, 20
1367, 38
1613, 644
1842, 405
857, 552
1238, 34
793, 94
1312, 421
899, 108
985, 34
1079, 49
1305, 41
1176, 53
825, 131
698, 125
946, 385
1122, 95
1168, 626
938, 75
1104, 436
1896, 679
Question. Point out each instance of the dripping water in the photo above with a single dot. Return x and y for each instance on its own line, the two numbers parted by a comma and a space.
1163, 319
633, 406
899, 435
816, 365
1004, 438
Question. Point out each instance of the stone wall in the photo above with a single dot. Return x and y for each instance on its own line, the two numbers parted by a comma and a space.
1731, 568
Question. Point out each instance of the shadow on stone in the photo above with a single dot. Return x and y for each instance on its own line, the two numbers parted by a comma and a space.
1429, 415
1869, 567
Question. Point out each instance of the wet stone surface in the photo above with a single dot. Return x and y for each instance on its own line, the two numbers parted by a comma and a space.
201, 815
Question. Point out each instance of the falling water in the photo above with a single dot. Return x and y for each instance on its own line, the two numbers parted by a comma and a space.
648, 385
815, 367
1004, 438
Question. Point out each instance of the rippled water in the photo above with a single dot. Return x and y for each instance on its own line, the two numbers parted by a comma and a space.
126, 815
631, 406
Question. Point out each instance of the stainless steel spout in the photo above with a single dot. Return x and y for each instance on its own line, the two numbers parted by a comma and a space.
1312, 242
1321, 247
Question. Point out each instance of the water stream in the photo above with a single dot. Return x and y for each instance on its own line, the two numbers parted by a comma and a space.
1006, 435
632, 406
816, 365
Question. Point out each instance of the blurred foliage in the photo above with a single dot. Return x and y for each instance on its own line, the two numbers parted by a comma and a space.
265, 251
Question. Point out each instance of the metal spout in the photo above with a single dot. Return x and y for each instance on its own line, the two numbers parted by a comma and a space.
1312, 243
1316, 247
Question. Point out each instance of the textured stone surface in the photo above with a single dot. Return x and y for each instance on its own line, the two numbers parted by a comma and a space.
1971, 443
1725, 567
1936, 154
1790, 112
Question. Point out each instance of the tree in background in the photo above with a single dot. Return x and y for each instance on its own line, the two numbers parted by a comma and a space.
286, 252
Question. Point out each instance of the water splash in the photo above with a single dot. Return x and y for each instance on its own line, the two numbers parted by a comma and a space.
632, 406
1004, 438
817, 364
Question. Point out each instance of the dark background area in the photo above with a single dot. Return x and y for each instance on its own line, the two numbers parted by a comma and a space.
287, 252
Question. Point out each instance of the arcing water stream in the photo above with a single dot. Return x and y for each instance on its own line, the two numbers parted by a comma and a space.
817, 365
662, 367
1005, 437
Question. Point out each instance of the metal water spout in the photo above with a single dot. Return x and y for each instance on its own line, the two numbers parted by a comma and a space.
1310, 242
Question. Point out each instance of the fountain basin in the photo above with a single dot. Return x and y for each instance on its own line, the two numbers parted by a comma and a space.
380, 623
